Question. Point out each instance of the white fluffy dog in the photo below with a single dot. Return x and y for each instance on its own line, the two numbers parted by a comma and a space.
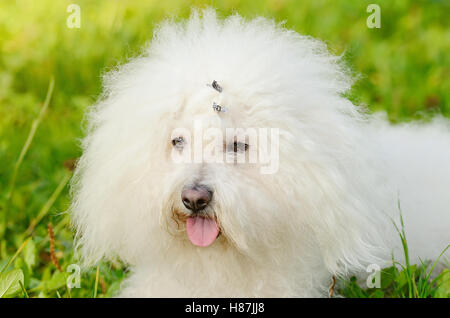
202, 229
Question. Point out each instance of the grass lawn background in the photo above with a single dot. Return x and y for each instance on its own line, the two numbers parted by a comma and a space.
404, 69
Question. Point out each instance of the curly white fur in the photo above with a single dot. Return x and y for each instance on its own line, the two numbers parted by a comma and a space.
325, 212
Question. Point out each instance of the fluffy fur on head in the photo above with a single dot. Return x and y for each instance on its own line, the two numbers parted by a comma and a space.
324, 211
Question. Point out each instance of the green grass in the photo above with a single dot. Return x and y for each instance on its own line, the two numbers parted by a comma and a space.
404, 280
50, 74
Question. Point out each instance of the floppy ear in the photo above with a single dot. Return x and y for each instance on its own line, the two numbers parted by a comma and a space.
100, 190
344, 198
113, 207
350, 234
347, 217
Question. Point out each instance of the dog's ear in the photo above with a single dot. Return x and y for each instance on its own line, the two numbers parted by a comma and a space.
343, 198
95, 209
349, 222
350, 240
113, 189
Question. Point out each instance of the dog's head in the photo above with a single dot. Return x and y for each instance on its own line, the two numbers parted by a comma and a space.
226, 135
219, 169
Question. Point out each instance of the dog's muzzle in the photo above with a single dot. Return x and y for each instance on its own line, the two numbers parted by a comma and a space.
202, 229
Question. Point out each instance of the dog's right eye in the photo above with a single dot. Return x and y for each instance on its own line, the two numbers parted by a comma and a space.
178, 142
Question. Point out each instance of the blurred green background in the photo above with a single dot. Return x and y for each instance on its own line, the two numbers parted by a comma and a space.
404, 68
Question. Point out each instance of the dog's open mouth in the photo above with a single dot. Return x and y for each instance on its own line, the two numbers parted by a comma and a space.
202, 231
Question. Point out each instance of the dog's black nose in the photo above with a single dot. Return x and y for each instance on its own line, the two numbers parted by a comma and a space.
196, 198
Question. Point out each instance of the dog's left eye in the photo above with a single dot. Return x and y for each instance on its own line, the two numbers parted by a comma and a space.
178, 142
240, 146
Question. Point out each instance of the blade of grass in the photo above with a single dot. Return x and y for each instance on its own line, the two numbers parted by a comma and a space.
434, 281
68, 291
410, 279
25, 294
46, 207
400, 264
16, 254
424, 286
30, 137
434, 264
26, 146
436, 261
96, 281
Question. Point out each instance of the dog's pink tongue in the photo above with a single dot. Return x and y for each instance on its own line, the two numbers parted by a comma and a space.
201, 231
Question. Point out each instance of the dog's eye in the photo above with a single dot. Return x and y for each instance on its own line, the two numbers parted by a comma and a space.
178, 142
240, 146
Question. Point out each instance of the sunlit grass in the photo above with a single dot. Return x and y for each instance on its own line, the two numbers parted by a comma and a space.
50, 74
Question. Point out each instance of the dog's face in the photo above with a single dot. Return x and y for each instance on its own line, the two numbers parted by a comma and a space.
220, 172
263, 166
